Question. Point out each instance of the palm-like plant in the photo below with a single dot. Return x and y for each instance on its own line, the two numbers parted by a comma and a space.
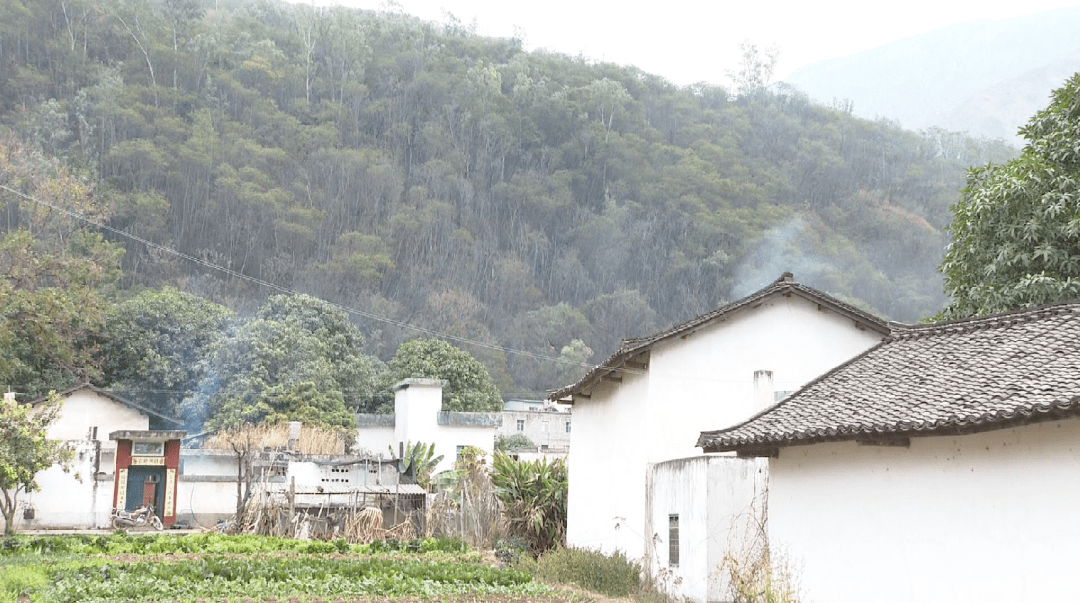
534, 496
419, 460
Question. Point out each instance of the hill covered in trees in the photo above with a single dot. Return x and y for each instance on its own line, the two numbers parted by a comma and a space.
430, 177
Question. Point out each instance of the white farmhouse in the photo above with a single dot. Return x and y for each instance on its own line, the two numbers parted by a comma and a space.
83, 496
418, 417
940, 465
633, 486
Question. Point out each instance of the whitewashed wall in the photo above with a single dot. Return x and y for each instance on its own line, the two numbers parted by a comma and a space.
701, 381
717, 499
84, 409
376, 440
81, 497
984, 517
606, 469
705, 381
76, 499
417, 403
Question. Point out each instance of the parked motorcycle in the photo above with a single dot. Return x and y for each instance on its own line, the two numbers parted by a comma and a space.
122, 519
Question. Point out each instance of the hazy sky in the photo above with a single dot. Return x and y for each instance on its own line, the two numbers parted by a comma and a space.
688, 41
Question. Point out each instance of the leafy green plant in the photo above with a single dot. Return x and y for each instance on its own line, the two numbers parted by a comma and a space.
515, 442
419, 460
534, 496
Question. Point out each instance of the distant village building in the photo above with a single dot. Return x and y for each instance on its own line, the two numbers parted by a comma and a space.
546, 424
418, 417
123, 463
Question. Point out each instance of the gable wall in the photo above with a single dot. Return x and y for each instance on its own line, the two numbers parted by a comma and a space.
606, 465
707, 379
84, 409
983, 517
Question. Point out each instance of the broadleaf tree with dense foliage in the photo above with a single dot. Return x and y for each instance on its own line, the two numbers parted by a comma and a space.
56, 274
298, 359
469, 386
156, 345
1016, 228
26, 450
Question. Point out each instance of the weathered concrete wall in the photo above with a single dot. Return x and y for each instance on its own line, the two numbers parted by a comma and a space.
982, 517
716, 499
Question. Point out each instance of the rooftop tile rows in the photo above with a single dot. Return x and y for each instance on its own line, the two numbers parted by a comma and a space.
963, 376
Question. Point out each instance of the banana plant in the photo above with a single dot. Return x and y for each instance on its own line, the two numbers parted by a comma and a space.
419, 461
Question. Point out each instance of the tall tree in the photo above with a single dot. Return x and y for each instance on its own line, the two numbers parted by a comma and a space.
55, 275
469, 387
156, 345
1016, 228
299, 359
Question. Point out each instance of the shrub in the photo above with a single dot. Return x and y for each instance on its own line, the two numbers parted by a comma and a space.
614, 576
534, 496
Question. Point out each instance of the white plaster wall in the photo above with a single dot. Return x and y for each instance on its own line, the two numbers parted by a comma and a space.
73, 499
83, 409
202, 503
705, 380
416, 409
606, 465
984, 517
449, 437
716, 499
77, 499
206, 462
377, 441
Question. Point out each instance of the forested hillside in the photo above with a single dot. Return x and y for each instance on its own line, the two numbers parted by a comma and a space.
460, 184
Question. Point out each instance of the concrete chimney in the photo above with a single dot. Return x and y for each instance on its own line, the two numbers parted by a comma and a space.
764, 394
294, 434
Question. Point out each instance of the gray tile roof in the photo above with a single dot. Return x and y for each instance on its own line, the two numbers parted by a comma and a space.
948, 378
785, 286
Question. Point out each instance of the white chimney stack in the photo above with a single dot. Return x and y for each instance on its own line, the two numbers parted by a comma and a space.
764, 395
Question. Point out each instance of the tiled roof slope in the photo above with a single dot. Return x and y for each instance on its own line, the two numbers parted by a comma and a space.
785, 285
947, 378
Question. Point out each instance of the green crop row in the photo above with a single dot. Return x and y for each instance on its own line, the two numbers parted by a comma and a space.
215, 567
121, 543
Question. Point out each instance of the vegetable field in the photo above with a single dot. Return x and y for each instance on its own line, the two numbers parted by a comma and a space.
210, 567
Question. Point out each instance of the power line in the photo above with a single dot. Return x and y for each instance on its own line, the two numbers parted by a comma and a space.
287, 291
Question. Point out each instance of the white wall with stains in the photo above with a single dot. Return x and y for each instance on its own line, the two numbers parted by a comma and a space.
973, 518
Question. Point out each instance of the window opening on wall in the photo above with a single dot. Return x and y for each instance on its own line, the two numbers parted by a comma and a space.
521, 424
568, 427
673, 540
148, 448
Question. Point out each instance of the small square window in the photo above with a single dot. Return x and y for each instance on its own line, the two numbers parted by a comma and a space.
521, 424
568, 427
673, 540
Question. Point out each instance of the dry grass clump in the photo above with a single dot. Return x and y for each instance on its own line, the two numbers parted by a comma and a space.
312, 440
